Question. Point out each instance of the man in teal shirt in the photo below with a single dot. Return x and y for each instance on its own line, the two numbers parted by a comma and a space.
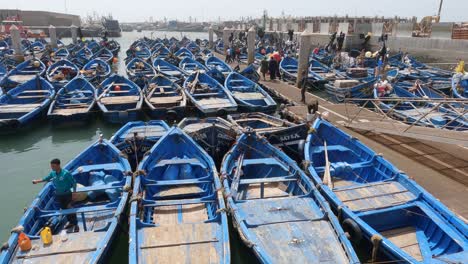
64, 183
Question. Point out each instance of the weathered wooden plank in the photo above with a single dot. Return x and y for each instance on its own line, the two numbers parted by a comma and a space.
405, 238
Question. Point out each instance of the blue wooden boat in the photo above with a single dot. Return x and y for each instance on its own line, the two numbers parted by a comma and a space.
219, 47
169, 70
214, 134
37, 48
73, 103
358, 89
4, 46
100, 172
24, 104
251, 73
93, 45
24, 72
141, 51
181, 211
379, 203
96, 71
61, 54
139, 71
84, 53
422, 113
114, 47
184, 53
119, 99
288, 69
3, 73
208, 95
165, 98
249, 95
190, 66
460, 86
276, 208
160, 53
281, 133
216, 63
136, 138
61, 72
103, 54
193, 47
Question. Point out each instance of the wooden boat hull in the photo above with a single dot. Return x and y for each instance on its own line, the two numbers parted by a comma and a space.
181, 213
270, 211
380, 204
98, 221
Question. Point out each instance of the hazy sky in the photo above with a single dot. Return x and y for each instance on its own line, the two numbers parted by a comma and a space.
126, 11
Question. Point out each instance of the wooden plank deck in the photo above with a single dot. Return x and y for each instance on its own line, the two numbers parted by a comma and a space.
186, 243
405, 238
373, 195
165, 100
18, 108
120, 99
76, 249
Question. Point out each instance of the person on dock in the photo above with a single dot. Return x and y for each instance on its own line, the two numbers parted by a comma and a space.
64, 183
264, 67
272, 66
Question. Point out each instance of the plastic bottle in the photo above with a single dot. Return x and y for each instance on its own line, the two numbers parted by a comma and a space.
46, 236
24, 242
63, 235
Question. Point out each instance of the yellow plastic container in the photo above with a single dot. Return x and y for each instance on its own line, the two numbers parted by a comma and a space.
46, 236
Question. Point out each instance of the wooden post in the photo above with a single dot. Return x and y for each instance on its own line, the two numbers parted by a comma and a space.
53, 36
74, 33
251, 45
16, 40
305, 45
210, 37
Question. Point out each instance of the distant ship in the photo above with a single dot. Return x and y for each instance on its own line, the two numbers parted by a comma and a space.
95, 27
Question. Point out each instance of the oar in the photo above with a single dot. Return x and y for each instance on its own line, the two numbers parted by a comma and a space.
236, 180
327, 176
105, 91
194, 83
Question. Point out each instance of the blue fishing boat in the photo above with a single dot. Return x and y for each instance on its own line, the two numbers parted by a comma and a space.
214, 134
142, 52
184, 53
93, 45
193, 47
36, 48
339, 90
160, 53
181, 209
169, 70
460, 86
96, 71
208, 95
189, 65
139, 71
251, 73
423, 113
61, 72
22, 73
379, 203
119, 99
219, 47
249, 95
103, 54
102, 178
216, 63
281, 133
4, 46
136, 138
288, 69
24, 104
61, 54
73, 103
276, 208
165, 98
114, 47
3, 73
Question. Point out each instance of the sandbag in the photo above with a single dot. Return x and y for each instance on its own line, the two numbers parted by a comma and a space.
113, 194
79, 196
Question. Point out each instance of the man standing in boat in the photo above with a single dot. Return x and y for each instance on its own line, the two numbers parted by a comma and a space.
63, 182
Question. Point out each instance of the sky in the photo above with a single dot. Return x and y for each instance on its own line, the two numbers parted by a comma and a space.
209, 10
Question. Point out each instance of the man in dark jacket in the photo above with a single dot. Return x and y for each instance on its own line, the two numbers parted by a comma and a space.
272, 65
